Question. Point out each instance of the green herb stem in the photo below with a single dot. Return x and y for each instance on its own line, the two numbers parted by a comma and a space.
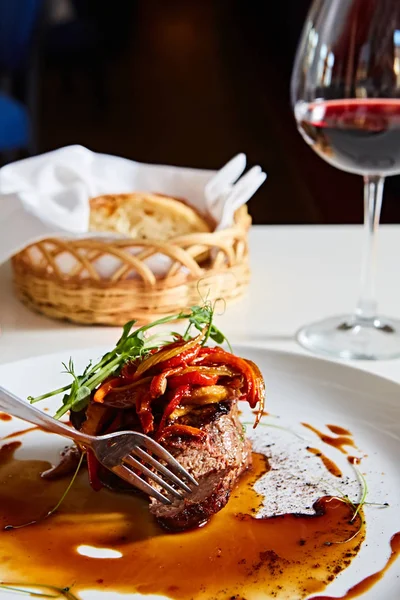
71, 483
277, 427
32, 400
15, 590
62, 411
20, 588
105, 372
364, 492
130, 346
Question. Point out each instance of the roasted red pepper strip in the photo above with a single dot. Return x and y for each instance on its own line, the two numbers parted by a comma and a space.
192, 378
162, 358
183, 359
143, 409
219, 356
102, 392
182, 430
158, 384
93, 470
130, 368
175, 399
260, 390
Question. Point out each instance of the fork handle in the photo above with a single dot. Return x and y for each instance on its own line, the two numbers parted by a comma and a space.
16, 407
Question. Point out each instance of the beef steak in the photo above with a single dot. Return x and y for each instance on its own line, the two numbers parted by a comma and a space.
216, 462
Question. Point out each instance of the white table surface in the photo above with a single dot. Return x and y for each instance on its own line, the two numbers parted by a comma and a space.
299, 274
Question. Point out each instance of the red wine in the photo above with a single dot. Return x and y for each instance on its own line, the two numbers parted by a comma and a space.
358, 136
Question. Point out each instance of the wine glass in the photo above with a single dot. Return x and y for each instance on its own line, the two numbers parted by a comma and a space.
346, 100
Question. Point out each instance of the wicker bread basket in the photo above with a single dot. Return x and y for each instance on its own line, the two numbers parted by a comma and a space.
199, 264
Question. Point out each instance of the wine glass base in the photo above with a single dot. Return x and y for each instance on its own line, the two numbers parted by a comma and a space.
350, 337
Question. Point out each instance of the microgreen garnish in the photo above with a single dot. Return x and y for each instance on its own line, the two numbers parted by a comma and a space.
71, 483
355, 507
20, 588
57, 506
277, 427
131, 345
9, 588
364, 491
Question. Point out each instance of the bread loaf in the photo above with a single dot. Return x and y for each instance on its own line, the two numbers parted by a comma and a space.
145, 216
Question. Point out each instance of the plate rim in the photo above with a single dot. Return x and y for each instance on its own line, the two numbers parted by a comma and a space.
333, 367
308, 357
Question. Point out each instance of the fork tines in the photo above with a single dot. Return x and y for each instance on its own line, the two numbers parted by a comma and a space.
139, 466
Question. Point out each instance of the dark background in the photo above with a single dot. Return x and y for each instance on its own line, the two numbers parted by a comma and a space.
191, 82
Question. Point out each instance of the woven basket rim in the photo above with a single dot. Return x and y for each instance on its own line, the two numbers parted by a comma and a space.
79, 290
241, 224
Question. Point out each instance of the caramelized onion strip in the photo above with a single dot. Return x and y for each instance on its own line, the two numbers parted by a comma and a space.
209, 394
114, 385
166, 354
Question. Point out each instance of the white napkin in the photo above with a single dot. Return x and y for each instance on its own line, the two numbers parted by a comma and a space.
48, 195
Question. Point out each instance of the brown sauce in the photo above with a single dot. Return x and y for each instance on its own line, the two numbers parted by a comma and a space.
235, 554
29, 429
354, 460
339, 430
263, 414
367, 583
327, 462
337, 442
7, 452
5, 417
20, 432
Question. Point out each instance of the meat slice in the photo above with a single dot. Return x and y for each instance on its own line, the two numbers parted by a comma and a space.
216, 463
68, 463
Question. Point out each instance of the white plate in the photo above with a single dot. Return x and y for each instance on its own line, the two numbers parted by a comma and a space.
299, 389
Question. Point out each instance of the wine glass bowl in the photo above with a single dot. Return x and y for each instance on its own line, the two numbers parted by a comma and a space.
346, 101
357, 136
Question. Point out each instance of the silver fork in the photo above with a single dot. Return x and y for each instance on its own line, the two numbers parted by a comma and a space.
116, 451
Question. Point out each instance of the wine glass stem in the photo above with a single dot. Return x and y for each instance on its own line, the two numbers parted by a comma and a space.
373, 193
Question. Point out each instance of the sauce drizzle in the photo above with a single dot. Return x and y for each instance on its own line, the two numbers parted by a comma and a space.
7, 452
20, 432
327, 462
337, 442
5, 417
354, 460
367, 583
339, 430
235, 554
263, 414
